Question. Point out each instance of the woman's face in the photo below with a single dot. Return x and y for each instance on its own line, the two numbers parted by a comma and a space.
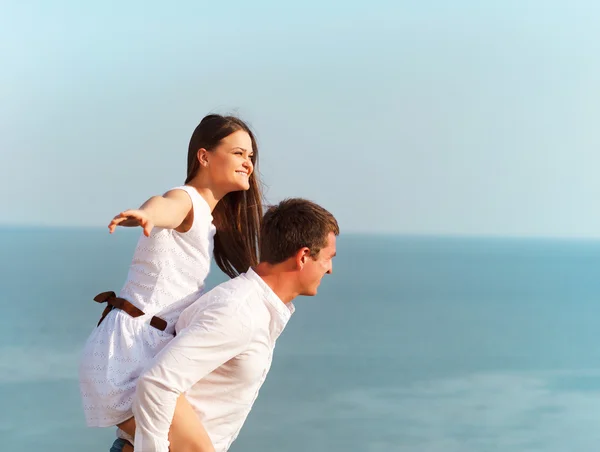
229, 164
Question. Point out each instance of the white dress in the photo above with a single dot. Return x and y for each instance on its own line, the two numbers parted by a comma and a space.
167, 274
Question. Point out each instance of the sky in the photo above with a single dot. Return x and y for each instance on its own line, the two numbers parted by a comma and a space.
412, 117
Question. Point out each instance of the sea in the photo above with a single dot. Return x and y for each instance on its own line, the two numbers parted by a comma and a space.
413, 344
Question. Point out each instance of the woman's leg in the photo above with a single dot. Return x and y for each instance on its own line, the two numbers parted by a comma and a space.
186, 434
128, 426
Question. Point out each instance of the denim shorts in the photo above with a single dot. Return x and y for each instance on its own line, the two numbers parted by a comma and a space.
118, 445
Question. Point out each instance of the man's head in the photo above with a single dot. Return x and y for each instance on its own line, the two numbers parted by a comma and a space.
302, 235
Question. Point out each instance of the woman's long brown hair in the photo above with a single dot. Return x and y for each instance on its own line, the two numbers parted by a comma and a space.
238, 215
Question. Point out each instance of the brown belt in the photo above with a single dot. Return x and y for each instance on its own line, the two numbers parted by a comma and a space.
121, 303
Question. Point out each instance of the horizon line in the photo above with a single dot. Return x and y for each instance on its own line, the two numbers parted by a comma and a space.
406, 234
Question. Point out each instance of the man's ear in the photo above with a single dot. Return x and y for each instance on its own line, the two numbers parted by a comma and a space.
202, 156
302, 256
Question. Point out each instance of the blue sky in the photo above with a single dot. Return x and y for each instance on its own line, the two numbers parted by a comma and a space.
424, 117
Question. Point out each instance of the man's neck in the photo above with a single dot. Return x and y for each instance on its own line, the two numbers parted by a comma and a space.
280, 279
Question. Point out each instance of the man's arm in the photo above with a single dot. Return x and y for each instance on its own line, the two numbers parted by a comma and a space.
214, 337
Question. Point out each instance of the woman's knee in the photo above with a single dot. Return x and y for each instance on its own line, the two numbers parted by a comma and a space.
128, 426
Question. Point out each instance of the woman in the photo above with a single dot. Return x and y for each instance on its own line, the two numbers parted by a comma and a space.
217, 211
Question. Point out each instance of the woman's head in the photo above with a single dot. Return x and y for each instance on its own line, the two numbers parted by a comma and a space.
223, 152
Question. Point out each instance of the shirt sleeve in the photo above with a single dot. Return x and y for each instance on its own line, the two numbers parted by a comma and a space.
213, 337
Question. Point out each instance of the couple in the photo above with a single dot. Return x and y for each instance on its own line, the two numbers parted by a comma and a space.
172, 368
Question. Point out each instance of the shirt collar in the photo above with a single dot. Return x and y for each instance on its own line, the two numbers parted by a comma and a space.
284, 310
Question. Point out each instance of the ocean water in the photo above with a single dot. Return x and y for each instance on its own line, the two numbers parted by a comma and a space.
413, 344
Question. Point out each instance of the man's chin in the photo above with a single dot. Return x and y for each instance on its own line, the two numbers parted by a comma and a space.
310, 293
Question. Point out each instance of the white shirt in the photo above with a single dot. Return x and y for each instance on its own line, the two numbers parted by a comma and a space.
220, 358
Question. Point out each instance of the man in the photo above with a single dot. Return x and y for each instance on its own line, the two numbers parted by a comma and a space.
224, 344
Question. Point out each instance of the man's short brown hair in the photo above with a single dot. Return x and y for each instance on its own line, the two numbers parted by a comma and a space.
293, 224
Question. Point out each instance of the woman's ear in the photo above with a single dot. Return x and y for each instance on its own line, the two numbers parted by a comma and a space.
203, 157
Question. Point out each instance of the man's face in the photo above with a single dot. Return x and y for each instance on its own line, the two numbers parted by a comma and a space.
317, 266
